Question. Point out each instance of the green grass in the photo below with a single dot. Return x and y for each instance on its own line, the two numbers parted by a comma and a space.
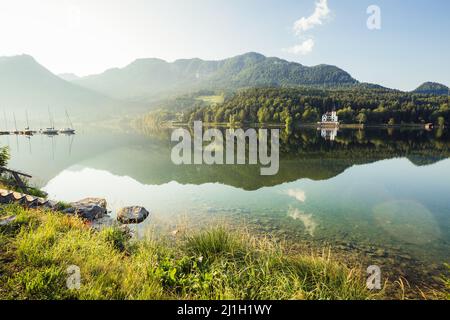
446, 280
212, 100
38, 247
61, 206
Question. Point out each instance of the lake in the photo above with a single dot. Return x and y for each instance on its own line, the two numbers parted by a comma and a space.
383, 194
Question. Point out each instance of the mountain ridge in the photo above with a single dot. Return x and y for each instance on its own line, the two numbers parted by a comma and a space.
434, 88
26, 84
151, 76
242, 71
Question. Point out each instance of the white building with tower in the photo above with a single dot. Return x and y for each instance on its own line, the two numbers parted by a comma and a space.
330, 119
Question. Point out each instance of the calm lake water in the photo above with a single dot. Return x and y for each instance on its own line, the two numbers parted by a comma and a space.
385, 193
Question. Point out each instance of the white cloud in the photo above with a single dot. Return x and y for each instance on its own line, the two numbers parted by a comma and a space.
297, 194
321, 12
303, 48
307, 220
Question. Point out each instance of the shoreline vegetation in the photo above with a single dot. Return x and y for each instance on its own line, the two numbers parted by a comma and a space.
175, 124
296, 107
38, 247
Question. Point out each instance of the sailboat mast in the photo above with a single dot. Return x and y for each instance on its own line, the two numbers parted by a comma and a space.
68, 119
28, 123
52, 126
15, 122
6, 122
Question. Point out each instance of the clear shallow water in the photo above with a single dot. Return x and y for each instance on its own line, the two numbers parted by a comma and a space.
381, 189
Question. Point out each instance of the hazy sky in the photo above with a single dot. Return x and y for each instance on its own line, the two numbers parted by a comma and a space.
89, 36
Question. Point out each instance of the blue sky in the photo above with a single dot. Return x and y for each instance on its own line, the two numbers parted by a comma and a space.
87, 37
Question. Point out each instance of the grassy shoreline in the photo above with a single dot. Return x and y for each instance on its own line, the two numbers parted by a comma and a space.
38, 247
214, 263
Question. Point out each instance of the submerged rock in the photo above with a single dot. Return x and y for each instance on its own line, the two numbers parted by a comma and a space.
130, 215
90, 208
103, 223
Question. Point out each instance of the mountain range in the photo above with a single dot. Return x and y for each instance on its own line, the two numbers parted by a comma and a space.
145, 78
25, 84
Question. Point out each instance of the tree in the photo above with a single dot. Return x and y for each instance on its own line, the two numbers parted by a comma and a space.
232, 119
4, 156
219, 115
310, 115
288, 122
263, 115
361, 118
242, 115
346, 114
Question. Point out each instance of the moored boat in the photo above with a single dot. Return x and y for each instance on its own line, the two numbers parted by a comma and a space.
69, 130
49, 131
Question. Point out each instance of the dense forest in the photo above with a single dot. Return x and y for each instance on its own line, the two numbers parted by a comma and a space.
306, 105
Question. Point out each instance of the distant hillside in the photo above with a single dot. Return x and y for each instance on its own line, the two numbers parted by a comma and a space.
146, 78
68, 76
432, 88
25, 84
372, 86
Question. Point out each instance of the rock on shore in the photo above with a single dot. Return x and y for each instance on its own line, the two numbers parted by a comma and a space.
90, 208
130, 215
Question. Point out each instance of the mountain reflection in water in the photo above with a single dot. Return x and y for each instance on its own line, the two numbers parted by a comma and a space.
386, 188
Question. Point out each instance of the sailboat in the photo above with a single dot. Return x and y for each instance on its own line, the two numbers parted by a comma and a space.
28, 131
69, 130
50, 131
5, 132
15, 125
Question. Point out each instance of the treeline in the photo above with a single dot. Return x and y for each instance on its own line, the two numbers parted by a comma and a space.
306, 105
